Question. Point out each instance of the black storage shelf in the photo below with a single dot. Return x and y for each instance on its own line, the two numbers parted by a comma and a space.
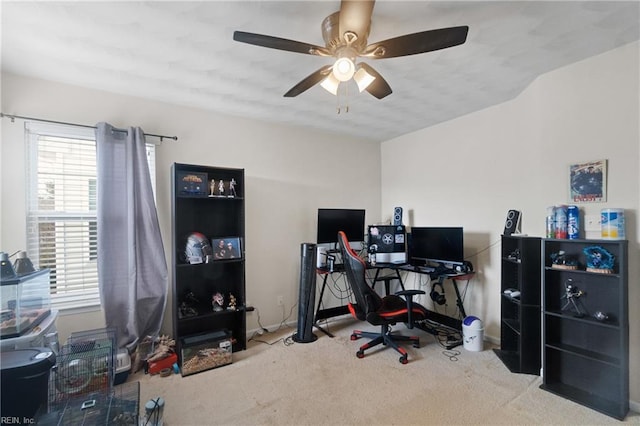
511, 359
206, 315
196, 209
585, 319
586, 359
581, 352
520, 316
578, 395
513, 325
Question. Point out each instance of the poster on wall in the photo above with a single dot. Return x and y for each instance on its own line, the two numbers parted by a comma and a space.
588, 182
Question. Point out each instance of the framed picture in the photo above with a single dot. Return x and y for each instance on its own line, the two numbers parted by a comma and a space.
191, 184
226, 248
588, 182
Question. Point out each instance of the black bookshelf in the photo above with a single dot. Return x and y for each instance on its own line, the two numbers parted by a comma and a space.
586, 327
216, 211
520, 315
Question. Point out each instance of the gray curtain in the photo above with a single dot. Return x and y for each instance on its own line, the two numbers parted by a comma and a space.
132, 270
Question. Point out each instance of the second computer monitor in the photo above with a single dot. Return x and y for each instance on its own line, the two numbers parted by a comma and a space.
436, 245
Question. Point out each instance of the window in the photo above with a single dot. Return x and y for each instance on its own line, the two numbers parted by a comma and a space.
62, 210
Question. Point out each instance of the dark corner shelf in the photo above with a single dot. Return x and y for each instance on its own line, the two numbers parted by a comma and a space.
520, 317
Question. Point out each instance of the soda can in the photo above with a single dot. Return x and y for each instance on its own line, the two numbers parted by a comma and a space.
550, 222
573, 222
560, 213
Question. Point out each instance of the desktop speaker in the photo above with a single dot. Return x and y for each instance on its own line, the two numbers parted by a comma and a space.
397, 216
512, 224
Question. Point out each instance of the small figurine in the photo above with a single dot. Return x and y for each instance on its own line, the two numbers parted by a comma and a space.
572, 295
560, 260
232, 303
598, 260
212, 187
217, 301
221, 188
188, 305
232, 188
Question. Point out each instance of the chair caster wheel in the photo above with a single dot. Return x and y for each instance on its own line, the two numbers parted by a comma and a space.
403, 360
416, 345
360, 354
354, 337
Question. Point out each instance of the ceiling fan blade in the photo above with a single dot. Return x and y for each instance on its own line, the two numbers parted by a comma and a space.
309, 81
378, 87
412, 44
355, 16
280, 43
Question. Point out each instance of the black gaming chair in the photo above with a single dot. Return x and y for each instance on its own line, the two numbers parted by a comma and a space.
376, 310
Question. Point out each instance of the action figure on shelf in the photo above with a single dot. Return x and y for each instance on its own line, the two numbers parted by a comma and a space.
221, 188
232, 188
598, 260
571, 294
212, 187
232, 303
188, 305
561, 260
217, 301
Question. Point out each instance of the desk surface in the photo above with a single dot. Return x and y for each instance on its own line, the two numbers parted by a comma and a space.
429, 270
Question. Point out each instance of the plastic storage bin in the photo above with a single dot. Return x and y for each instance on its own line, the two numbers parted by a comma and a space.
25, 379
24, 302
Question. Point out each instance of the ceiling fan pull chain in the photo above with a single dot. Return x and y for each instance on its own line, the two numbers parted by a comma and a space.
346, 97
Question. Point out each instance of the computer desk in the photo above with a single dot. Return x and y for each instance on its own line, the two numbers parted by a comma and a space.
395, 269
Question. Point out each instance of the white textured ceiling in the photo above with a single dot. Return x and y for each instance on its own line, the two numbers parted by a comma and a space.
183, 53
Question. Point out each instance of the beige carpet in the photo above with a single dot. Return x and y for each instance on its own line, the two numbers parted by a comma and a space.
323, 383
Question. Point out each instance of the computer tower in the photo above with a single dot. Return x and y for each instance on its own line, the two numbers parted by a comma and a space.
388, 242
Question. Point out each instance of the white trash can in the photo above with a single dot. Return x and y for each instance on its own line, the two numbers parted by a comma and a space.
473, 334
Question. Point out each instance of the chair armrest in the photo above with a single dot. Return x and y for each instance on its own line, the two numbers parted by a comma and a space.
408, 295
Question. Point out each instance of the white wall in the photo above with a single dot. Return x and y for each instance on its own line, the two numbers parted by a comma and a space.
469, 171
289, 174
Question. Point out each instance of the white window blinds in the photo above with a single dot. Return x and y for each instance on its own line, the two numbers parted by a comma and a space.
61, 210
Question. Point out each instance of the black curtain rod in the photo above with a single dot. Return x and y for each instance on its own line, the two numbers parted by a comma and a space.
13, 117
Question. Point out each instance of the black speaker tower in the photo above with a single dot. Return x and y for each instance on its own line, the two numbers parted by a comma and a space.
512, 223
397, 216
307, 296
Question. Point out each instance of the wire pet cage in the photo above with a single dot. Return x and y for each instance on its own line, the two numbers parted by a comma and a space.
118, 407
81, 390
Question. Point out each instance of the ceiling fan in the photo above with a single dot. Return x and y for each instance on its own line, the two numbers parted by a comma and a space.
345, 34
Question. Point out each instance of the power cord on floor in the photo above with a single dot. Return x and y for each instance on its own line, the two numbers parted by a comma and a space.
287, 340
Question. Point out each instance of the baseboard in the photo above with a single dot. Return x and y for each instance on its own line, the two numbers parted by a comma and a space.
491, 339
634, 406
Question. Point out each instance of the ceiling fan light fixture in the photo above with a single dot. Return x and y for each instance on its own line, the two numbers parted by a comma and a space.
363, 78
343, 69
330, 84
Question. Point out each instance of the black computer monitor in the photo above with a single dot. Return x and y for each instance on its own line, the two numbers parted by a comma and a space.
330, 221
436, 245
